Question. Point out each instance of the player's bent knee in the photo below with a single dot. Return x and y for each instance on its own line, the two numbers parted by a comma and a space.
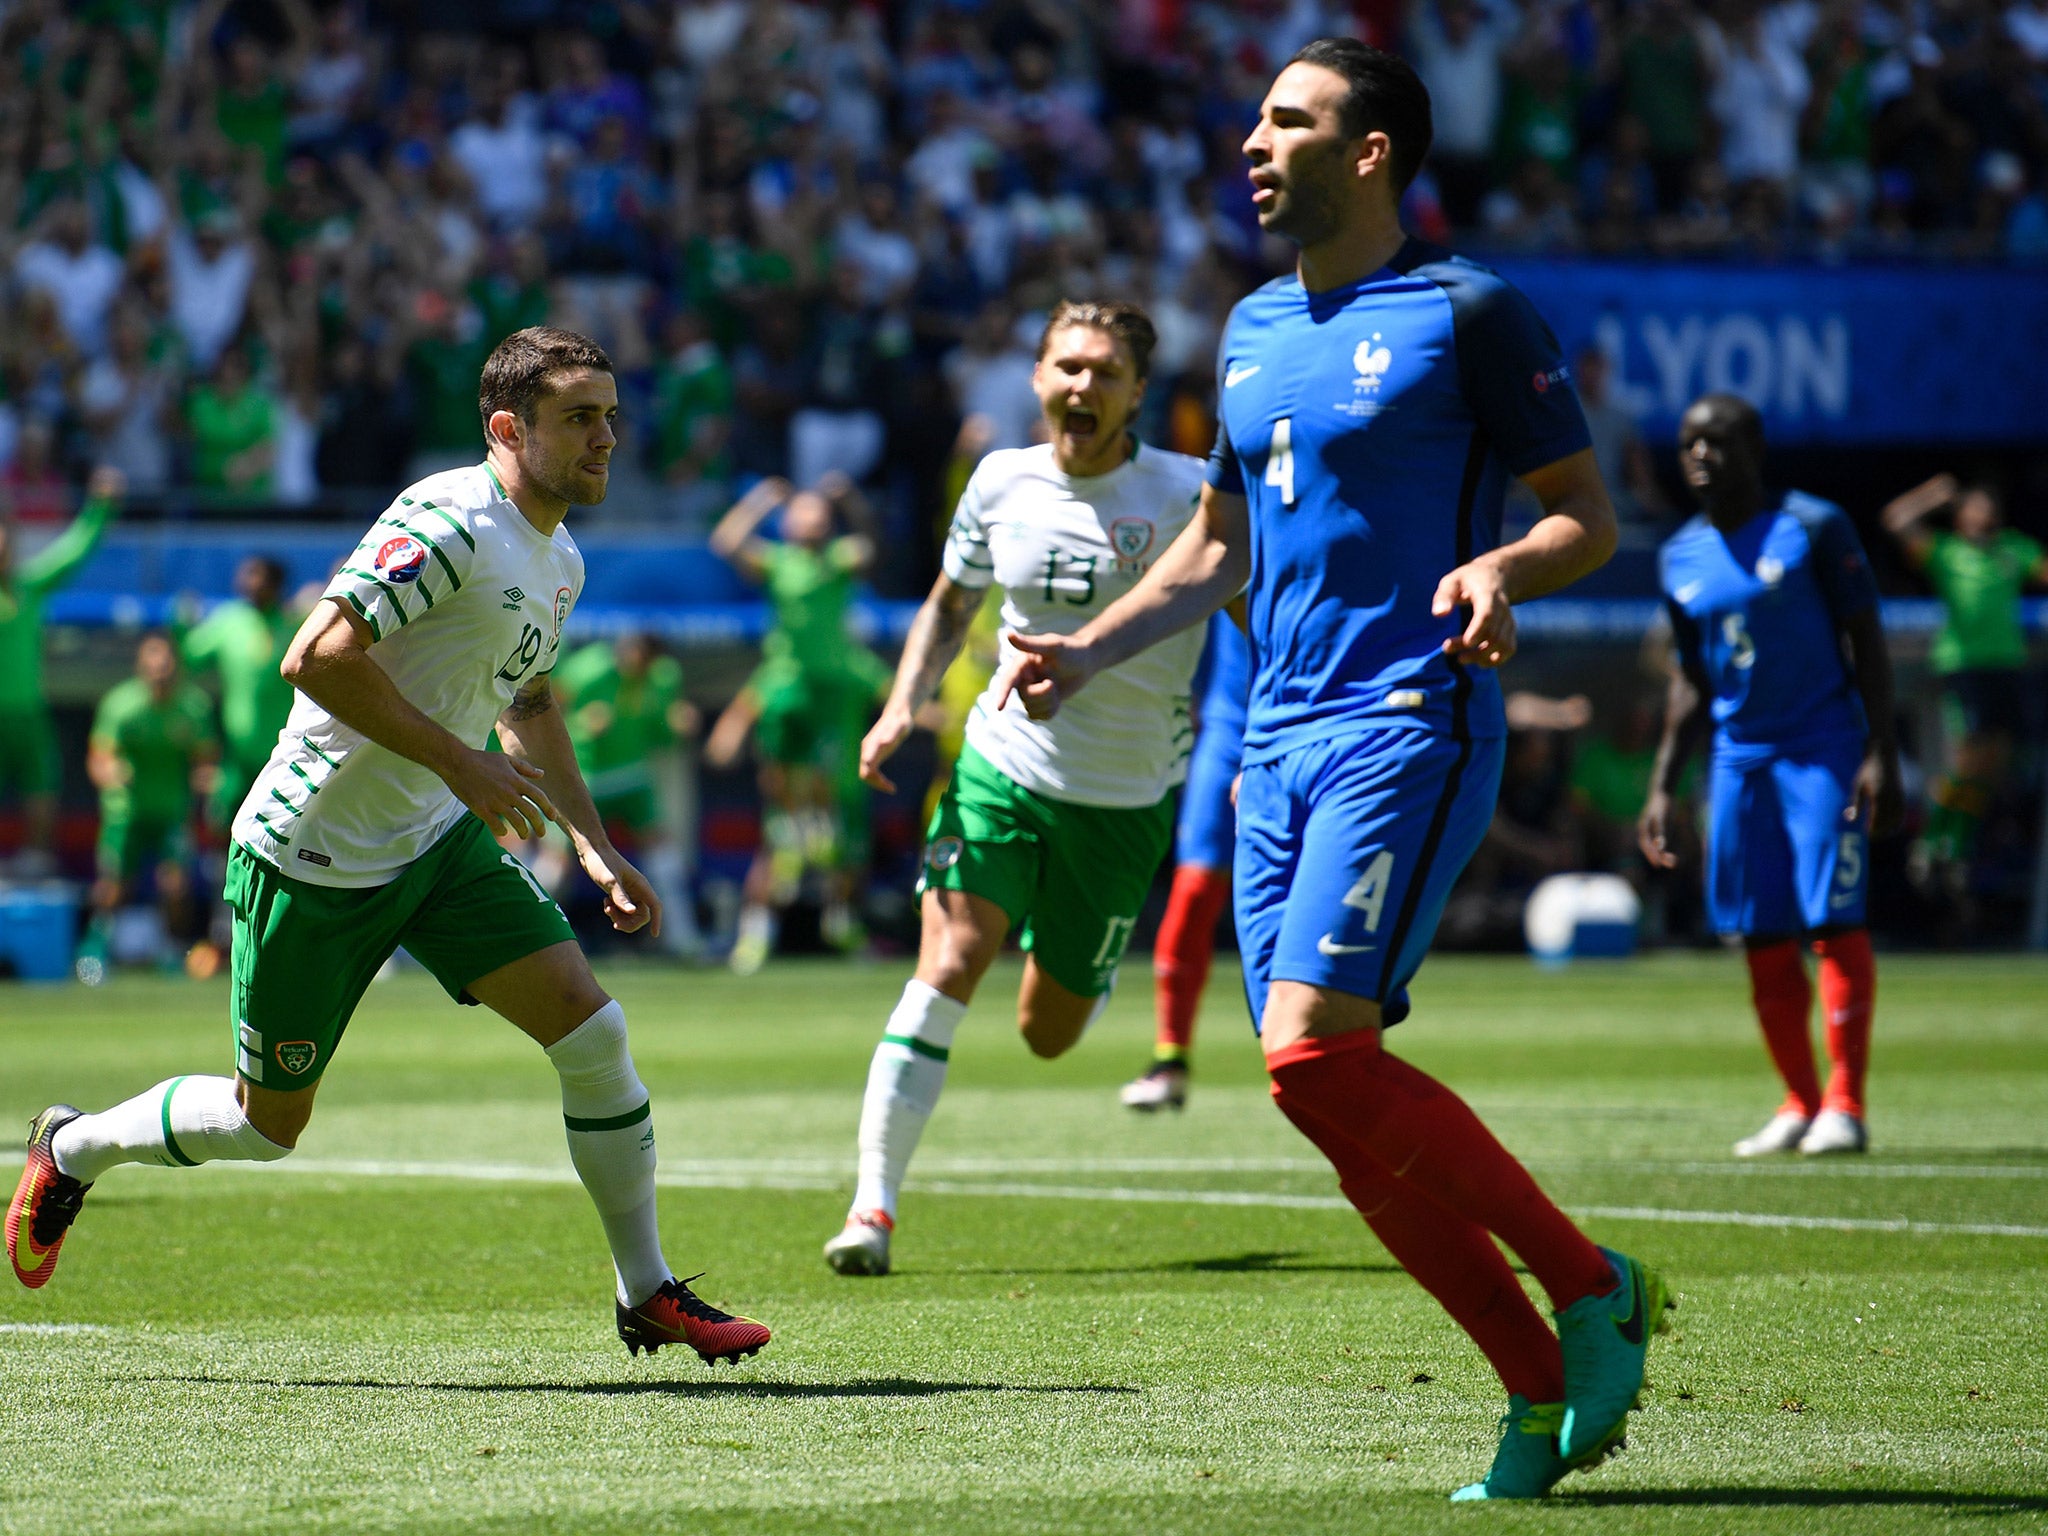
277, 1119
1296, 1011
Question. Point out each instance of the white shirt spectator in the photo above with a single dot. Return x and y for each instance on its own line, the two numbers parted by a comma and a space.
1463, 78
997, 385
209, 293
886, 258
82, 284
706, 33
942, 168
142, 205
507, 163
1762, 89
126, 408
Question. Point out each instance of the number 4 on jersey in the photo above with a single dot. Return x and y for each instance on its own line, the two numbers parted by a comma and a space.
1280, 459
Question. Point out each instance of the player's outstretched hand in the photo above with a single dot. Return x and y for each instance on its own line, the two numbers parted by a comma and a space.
881, 742
1877, 800
1653, 831
505, 793
629, 901
1489, 635
1043, 670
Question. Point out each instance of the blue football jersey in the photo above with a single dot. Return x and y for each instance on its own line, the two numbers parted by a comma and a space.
1758, 611
1223, 678
1372, 430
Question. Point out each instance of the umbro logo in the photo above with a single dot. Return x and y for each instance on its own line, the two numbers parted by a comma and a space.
1237, 376
514, 597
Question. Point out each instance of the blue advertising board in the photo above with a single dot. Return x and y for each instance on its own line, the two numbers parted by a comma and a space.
1830, 355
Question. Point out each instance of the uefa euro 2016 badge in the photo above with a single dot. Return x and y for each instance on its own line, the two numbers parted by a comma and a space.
1131, 538
401, 560
944, 852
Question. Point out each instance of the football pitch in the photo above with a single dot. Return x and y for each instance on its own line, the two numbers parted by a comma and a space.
1098, 1323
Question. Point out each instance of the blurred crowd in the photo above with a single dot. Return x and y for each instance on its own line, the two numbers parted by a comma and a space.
252, 252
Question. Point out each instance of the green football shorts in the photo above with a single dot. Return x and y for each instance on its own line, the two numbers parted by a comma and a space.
304, 954
28, 754
1074, 876
129, 845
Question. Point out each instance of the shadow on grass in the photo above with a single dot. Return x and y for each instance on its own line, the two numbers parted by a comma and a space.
1819, 1498
888, 1386
1275, 1263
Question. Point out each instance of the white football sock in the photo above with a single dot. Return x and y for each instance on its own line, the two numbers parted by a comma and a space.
611, 1142
176, 1124
904, 1081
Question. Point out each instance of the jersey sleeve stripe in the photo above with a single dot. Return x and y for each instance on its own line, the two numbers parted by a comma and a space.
369, 618
464, 533
263, 820
390, 592
307, 777
330, 762
280, 799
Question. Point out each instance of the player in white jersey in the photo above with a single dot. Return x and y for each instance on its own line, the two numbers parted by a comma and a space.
1054, 825
372, 826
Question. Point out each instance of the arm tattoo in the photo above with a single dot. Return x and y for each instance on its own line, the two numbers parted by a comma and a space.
536, 698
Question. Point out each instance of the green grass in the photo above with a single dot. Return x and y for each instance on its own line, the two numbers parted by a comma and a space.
317, 1347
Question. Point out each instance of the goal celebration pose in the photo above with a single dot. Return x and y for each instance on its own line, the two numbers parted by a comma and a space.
1372, 407
372, 825
1765, 598
1058, 826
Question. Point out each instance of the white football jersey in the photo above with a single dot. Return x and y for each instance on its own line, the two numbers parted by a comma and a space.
1063, 549
467, 600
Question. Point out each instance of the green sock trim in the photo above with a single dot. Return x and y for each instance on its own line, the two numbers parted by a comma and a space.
1170, 1055
611, 1122
170, 1141
922, 1047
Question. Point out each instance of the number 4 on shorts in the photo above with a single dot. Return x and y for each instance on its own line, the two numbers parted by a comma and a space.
1370, 893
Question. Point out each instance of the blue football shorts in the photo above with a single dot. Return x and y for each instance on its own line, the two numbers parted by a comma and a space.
1785, 853
1346, 853
1206, 833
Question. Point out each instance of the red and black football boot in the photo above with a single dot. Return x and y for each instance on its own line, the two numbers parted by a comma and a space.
675, 1314
46, 1202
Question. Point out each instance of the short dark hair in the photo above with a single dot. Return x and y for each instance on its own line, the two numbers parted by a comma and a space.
1386, 96
1116, 319
523, 367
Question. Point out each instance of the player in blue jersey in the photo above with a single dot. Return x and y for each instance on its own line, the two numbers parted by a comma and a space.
1779, 641
1372, 408
1204, 837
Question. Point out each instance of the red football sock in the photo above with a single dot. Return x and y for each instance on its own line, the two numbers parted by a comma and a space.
1451, 1258
1848, 998
1181, 954
1422, 1132
1784, 999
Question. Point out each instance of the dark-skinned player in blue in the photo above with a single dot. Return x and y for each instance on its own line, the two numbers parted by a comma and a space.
1779, 641
1372, 409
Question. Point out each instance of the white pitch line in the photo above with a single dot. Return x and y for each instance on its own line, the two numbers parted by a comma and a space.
736, 1175
47, 1329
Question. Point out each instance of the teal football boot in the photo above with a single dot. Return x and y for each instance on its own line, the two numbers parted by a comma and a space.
1527, 1465
1606, 1340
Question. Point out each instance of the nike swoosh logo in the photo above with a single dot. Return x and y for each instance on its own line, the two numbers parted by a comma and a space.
1689, 591
1631, 1327
1237, 376
1326, 946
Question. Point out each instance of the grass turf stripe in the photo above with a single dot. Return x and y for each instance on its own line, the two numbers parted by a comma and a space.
611, 1122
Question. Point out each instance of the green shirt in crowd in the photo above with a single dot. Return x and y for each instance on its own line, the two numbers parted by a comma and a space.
21, 606
444, 375
810, 590
693, 388
1980, 584
617, 723
223, 426
245, 645
159, 744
